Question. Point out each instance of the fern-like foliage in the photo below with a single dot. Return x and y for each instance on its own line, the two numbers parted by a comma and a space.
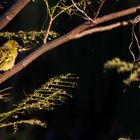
51, 94
3, 95
30, 37
122, 67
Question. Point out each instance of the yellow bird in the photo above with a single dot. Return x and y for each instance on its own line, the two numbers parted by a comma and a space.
8, 54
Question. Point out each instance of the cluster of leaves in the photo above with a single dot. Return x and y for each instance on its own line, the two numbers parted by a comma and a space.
51, 94
82, 4
28, 37
81, 7
123, 67
124, 138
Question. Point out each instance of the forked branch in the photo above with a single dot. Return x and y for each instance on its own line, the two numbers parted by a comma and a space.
87, 26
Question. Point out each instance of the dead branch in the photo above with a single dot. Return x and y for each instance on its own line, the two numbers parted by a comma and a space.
12, 12
65, 38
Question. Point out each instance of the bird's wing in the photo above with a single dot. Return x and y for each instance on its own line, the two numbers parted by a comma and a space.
4, 54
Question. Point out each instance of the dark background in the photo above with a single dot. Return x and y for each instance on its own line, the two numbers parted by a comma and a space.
99, 110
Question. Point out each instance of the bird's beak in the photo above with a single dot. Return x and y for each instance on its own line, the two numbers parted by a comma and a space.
19, 47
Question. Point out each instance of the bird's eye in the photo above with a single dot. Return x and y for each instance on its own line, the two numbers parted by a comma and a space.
14, 44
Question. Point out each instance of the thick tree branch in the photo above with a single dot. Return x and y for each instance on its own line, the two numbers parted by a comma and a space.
105, 18
104, 28
65, 38
12, 12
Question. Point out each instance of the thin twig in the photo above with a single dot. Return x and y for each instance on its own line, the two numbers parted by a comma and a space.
99, 9
134, 37
80, 10
48, 30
